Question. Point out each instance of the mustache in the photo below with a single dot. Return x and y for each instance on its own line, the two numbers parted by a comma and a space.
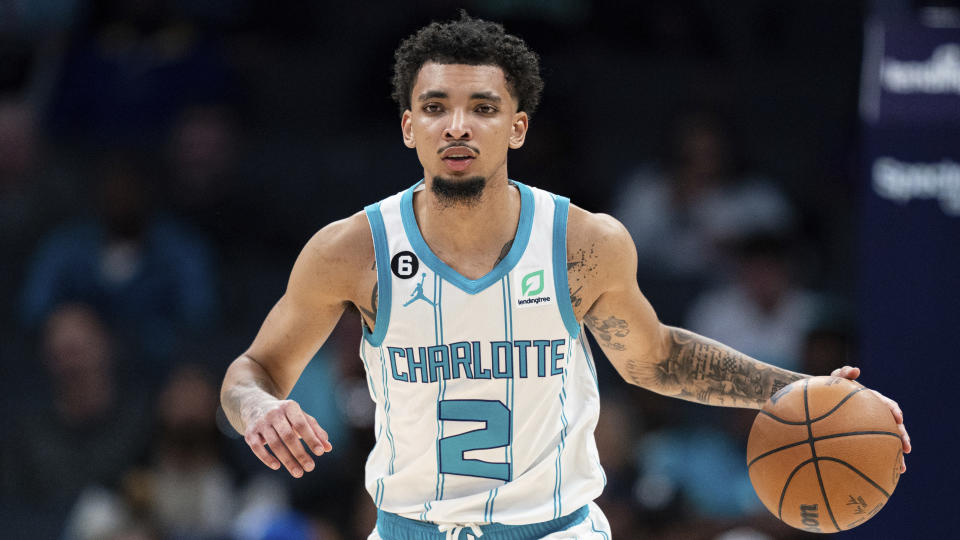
459, 145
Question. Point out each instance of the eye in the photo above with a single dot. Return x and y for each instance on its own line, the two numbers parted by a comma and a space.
432, 108
486, 109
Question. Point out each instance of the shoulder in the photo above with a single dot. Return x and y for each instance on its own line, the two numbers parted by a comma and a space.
598, 236
346, 240
335, 256
601, 257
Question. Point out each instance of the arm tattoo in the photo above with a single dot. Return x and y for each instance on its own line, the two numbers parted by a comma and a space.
579, 270
372, 312
608, 331
576, 300
702, 370
504, 251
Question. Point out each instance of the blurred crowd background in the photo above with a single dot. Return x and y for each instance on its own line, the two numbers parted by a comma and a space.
163, 161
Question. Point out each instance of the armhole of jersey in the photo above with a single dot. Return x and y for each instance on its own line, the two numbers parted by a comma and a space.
560, 208
384, 294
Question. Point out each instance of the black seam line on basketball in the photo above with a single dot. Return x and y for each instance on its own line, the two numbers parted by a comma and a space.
803, 423
781, 420
837, 406
854, 469
815, 439
813, 450
786, 484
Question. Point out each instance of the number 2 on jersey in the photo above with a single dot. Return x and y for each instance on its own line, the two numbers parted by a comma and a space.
495, 434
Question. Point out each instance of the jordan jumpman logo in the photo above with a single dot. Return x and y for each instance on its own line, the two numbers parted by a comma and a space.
417, 293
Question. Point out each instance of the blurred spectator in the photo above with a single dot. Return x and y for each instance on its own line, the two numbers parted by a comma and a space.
149, 275
680, 213
764, 313
100, 514
206, 185
34, 192
187, 490
91, 429
202, 154
20, 201
700, 463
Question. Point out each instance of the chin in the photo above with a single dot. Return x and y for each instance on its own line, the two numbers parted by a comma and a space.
463, 189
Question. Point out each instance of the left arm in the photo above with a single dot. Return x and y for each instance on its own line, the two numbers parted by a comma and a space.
667, 360
602, 267
699, 369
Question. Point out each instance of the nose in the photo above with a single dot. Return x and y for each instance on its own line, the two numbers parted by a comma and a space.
457, 129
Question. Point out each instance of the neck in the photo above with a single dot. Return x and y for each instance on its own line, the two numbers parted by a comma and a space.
469, 238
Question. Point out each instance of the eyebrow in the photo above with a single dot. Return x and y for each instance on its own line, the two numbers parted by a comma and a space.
489, 96
432, 94
440, 94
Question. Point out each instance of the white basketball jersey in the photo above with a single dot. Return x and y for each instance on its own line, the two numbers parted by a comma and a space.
486, 391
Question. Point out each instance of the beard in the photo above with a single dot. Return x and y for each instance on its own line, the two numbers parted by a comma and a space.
462, 192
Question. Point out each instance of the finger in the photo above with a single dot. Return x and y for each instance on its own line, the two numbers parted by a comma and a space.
321, 434
905, 437
279, 449
895, 409
847, 372
303, 428
258, 445
894, 406
292, 440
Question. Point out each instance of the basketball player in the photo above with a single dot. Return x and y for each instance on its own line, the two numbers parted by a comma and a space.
474, 290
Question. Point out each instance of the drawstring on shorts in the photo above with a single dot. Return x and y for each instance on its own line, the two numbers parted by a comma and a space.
453, 530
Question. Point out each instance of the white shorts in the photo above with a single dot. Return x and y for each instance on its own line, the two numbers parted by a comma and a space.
593, 526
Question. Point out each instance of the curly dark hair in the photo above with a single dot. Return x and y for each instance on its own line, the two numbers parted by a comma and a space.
474, 42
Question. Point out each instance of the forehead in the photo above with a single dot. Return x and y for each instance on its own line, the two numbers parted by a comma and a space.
465, 78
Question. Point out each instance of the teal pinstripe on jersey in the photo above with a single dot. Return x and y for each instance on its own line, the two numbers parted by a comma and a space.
487, 396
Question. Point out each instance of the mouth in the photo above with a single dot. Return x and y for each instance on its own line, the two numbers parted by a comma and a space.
458, 158
458, 163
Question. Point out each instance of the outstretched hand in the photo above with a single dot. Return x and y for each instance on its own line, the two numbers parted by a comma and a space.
281, 425
848, 372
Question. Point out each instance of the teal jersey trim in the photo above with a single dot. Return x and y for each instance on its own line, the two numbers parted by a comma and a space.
366, 367
394, 526
469, 286
596, 530
561, 207
588, 358
438, 305
384, 295
510, 383
386, 412
557, 495
507, 450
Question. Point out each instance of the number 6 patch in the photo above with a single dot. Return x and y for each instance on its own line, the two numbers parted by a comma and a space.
404, 264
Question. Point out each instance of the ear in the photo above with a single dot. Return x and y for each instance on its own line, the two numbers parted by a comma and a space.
518, 131
406, 127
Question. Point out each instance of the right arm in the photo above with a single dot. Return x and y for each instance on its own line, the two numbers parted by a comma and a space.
323, 281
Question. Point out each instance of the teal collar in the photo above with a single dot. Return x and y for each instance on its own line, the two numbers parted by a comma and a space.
469, 286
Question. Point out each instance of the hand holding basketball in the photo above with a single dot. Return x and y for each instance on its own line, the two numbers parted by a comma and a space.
851, 373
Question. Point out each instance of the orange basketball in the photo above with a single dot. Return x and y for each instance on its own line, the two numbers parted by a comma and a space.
824, 454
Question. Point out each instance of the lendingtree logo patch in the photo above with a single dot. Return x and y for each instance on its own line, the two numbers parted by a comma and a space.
532, 286
532, 283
